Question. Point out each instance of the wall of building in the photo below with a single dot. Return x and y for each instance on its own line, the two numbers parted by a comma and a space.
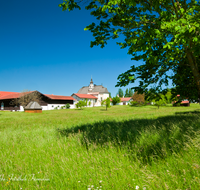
83, 99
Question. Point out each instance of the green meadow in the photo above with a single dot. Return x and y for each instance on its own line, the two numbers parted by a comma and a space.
122, 148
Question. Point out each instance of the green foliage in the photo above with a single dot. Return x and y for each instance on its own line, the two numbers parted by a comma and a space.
136, 103
168, 96
177, 104
110, 95
67, 106
159, 101
130, 92
163, 34
116, 100
106, 103
133, 103
120, 93
103, 102
185, 83
89, 103
81, 104
86, 102
126, 93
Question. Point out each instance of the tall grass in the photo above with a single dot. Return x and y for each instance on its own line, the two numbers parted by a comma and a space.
121, 148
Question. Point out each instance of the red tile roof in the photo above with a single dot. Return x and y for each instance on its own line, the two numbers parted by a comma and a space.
185, 102
57, 97
87, 96
3, 93
12, 95
125, 99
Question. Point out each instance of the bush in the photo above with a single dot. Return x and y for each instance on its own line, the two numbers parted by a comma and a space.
89, 103
67, 106
133, 103
115, 100
81, 104
147, 103
177, 104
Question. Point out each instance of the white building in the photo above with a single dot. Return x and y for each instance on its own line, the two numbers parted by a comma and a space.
91, 100
46, 101
101, 93
124, 101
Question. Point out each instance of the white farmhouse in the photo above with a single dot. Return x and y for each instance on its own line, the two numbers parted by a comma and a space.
101, 93
124, 101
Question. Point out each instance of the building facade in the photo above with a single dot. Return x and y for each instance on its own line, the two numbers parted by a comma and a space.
98, 91
8, 101
91, 100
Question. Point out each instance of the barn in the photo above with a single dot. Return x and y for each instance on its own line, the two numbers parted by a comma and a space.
47, 102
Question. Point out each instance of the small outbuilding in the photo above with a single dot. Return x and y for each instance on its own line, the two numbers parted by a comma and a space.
33, 107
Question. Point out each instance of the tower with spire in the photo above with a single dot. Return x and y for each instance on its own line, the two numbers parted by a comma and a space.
91, 86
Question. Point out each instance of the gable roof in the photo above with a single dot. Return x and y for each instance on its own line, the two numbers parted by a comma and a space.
13, 95
57, 97
4, 93
97, 88
123, 99
33, 106
87, 96
126, 99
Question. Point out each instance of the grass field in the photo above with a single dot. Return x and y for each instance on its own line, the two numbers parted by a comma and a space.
121, 148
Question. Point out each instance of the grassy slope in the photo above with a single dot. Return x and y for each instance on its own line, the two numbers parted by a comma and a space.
124, 147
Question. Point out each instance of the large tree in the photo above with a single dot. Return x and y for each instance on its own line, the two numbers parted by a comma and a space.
159, 32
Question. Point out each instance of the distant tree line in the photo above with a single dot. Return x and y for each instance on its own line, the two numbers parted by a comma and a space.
127, 93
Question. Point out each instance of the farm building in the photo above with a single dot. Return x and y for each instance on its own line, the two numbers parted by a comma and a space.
46, 101
83, 97
124, 101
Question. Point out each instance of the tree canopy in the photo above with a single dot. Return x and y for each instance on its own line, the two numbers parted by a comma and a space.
116, 100
163, 34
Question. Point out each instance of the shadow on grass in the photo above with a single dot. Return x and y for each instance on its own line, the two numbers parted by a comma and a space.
189, 112
103, 109
140, 139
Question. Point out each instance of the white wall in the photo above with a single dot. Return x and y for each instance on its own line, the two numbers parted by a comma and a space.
83, 99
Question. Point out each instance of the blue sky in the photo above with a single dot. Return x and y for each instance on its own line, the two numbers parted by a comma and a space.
43, 48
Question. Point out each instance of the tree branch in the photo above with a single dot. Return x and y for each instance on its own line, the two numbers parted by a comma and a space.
185, 5
147, 2
167, 9
175, 8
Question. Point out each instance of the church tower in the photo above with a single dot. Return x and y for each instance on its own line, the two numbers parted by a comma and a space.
91, 86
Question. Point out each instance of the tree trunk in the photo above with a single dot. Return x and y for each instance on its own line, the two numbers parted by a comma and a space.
195, 70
